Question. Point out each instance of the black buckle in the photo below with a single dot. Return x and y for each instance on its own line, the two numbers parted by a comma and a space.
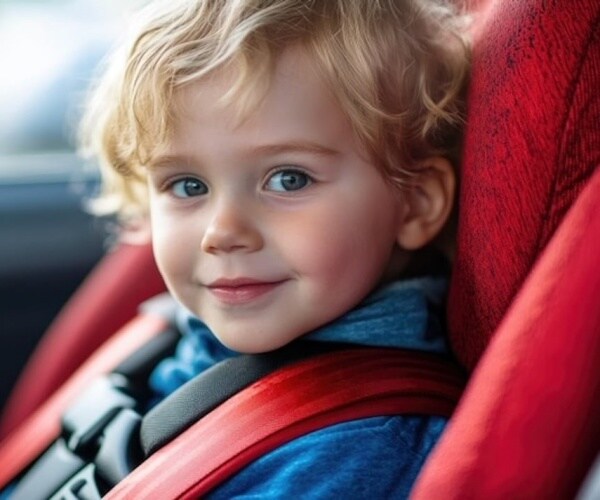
99, 446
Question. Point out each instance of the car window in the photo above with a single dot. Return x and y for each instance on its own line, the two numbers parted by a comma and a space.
48, 52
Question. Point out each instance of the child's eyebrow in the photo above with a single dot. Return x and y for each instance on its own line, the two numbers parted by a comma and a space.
294, 147
166, 161
262, 150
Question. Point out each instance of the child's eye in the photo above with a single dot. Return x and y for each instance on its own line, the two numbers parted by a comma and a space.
188, 187
288, 180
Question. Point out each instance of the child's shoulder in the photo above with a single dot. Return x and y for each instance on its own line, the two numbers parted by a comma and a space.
377, 457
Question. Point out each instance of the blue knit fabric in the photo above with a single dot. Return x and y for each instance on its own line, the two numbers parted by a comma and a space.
397, 315
370, 458
374, 458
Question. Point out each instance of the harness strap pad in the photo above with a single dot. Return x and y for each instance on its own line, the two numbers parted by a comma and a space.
309, 395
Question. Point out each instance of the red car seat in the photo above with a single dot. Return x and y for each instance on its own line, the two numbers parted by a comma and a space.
528, 421
107, 300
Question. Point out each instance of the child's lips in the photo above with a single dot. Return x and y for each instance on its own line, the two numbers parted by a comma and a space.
241, 290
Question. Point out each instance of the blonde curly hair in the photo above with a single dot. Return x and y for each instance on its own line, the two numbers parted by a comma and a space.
397, 67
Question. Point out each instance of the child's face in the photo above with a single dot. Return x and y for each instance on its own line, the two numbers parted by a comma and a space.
269, 228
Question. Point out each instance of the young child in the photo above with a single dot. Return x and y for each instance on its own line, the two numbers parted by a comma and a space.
294, 160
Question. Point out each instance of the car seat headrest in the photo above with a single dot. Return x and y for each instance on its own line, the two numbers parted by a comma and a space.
532, 141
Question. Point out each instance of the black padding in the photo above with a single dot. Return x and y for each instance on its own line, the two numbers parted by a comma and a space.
137, 367
53, 469
205, 392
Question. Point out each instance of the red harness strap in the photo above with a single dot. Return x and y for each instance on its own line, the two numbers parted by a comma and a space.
291, 402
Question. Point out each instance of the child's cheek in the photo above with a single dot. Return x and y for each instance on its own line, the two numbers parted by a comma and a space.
171, 250
325, 248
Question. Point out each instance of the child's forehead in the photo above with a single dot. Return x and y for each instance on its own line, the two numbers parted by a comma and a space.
292, 92
234, 84
295, 112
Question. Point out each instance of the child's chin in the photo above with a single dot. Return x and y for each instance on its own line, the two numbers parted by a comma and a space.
247, 344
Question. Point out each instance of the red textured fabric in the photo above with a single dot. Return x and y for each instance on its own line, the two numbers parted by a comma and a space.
527, 427
532, 140
291, 402
528, 424
108, 299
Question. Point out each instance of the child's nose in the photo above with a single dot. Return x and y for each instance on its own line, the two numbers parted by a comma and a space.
231, 228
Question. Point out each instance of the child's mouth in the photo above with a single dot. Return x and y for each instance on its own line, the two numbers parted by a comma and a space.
241, 290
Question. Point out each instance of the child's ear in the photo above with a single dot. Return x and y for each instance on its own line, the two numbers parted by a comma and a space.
427, 203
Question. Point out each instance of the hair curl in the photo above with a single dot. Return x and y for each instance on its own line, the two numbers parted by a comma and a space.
398, 68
